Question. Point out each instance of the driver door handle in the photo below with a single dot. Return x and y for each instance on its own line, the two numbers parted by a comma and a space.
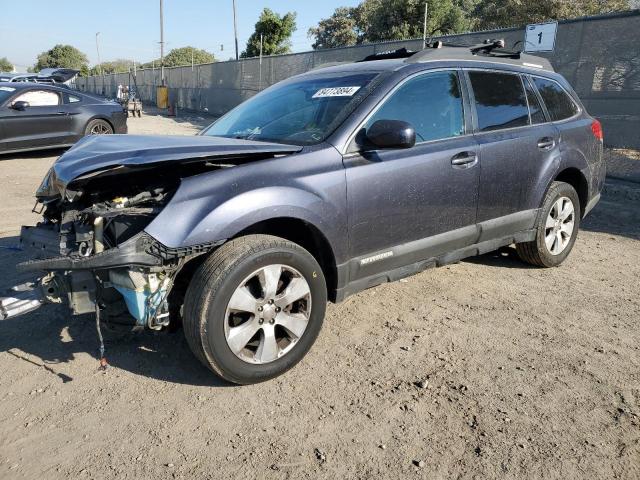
464, 160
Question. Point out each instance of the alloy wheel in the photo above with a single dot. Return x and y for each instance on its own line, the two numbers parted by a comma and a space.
100, 129
267, 314
559, 225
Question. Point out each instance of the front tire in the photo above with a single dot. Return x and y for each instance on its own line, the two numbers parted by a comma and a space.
254, 308
556, 228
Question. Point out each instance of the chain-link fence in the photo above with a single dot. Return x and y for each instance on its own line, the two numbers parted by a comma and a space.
599, 56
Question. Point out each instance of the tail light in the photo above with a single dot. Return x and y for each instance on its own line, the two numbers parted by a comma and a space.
596, 128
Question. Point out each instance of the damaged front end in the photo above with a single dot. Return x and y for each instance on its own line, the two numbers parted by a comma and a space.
91, 250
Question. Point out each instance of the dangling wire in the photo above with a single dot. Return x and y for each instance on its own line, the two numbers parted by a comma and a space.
103, 359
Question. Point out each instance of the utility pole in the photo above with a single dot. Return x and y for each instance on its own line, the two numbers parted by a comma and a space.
161, 44
192, 59
424, 28
235, 28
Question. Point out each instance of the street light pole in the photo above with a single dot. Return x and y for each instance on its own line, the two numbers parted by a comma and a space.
98, 50
260, 82
99, 62
235, 28
424, 27
161, 44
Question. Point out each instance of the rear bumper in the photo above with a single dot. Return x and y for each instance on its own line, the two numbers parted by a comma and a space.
119, 120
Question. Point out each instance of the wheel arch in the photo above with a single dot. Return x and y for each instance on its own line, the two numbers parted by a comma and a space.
296, 230
574, 177
308, 236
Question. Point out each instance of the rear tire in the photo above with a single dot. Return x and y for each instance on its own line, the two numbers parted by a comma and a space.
236, 309
556, 228
98, 127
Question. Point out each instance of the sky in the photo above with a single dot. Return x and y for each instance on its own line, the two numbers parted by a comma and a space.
131, 29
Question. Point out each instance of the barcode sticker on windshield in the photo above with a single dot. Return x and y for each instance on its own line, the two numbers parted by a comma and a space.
336, 92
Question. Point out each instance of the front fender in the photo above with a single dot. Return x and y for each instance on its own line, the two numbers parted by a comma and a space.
249, 208
218, 205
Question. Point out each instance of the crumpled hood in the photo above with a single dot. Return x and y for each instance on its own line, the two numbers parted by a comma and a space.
99, 153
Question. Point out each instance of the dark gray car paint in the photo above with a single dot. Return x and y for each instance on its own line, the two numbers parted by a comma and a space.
409, 202
385, 214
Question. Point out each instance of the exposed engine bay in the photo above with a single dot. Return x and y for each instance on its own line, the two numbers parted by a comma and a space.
91, 251
95, 247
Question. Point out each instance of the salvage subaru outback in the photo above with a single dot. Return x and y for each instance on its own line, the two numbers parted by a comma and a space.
322, 185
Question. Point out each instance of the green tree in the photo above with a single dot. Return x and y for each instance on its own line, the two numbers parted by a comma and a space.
379, 20
276, 32
183, 56
5, 65
339, 30
497, 13
63, 56
401, 19
120, 65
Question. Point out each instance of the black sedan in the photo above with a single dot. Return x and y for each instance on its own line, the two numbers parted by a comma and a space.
34, 116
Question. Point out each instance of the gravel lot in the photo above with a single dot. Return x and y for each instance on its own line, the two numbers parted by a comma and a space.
487, 368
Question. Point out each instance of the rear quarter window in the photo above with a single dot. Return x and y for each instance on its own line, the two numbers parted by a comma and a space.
558, 102
73, 98
499, 99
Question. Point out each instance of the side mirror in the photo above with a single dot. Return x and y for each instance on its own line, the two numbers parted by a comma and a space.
391, 134
20, 105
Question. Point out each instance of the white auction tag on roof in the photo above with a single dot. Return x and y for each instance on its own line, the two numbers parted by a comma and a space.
540, 37
336, 92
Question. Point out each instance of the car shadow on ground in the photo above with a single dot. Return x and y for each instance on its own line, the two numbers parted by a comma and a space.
45, 153
617, 213
50, 337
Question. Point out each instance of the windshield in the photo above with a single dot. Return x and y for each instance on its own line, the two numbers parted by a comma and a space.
5, 92
299, 112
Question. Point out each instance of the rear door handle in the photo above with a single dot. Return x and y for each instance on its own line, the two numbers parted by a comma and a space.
546, 143
464, 160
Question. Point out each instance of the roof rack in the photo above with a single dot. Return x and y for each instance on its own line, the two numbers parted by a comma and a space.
490, 47
493, 49
389, 54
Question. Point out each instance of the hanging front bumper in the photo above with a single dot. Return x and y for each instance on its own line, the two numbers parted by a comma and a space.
21, 299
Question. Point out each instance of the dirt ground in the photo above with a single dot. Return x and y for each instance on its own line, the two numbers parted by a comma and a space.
484, 369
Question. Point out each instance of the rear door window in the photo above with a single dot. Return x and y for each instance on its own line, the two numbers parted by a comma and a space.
431, 103
499, 99
535, 109
558, 102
